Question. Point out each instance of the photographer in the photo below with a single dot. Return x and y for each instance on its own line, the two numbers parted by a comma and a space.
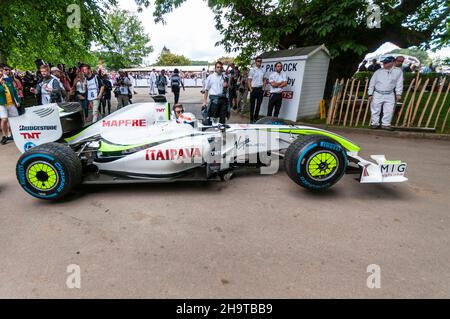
122, 90
217, 88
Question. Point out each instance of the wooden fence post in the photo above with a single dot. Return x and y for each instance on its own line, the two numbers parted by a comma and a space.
427, 102
362, 102
333, 99
354, 102
413, 117
342, 103
338, 99
435, 103
411, 102
442, 105
404, 101
349, 102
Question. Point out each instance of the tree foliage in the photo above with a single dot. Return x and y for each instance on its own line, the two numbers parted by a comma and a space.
125, 42
168, 58
250, 26
38, 29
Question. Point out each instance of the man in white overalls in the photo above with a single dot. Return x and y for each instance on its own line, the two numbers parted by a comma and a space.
385, 87
49, 88
95, 90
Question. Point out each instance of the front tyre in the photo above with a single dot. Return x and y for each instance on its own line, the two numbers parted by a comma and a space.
49, 171
315, 162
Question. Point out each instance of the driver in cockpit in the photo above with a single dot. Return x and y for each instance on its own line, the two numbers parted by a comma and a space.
180, 116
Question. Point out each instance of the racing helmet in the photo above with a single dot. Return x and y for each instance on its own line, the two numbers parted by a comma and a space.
187, 118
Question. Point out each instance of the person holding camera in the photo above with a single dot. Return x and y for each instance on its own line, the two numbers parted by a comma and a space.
122, 90
217, 88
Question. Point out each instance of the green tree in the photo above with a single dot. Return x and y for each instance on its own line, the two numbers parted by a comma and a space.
421, 55
39, 29
251, 27
225, 60
125, 41
168, 58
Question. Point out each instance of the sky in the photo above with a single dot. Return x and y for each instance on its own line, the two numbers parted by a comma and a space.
190, 31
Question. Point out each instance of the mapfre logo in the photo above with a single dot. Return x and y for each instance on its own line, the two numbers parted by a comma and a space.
30, 135
124, 123
173, 154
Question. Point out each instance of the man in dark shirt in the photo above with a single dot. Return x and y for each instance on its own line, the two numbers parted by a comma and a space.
374, 66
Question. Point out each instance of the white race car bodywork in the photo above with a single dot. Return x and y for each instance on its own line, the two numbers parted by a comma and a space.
141, 143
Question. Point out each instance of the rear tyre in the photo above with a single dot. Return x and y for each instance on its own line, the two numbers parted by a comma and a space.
272, 120
49, 171
315, 162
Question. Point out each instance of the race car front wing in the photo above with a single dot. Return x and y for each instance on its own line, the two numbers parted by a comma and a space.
383, 171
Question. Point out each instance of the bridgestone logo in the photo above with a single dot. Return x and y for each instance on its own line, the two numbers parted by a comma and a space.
38, 128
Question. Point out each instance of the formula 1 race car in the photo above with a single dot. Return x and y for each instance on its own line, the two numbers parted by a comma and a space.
141, 143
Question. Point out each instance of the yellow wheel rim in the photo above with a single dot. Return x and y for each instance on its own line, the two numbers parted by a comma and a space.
322, 165
42, 176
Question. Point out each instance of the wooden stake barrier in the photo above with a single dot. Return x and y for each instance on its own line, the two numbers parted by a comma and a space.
435, 103
442, 105
404, 101
362, 102
333, 100
411, 103
354, 103
343, 100
427, 102
348, 102
338, 99
413, 117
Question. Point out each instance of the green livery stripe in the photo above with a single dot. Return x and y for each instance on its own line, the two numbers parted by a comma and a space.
168, 111
71, 138
106, 147
349, 146
392, 162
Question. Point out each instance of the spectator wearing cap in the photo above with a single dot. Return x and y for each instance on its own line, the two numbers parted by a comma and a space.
385, 88
63, 81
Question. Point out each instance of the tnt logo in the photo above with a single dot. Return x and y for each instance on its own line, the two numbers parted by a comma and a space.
30, 135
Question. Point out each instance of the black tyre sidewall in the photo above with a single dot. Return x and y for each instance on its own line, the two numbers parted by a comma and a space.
310, 147
68, 177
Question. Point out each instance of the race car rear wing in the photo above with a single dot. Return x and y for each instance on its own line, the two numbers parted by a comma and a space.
38, 125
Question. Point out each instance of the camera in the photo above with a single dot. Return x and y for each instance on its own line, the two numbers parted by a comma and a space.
225, 88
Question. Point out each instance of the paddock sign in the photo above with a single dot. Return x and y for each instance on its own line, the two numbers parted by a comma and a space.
294, 68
